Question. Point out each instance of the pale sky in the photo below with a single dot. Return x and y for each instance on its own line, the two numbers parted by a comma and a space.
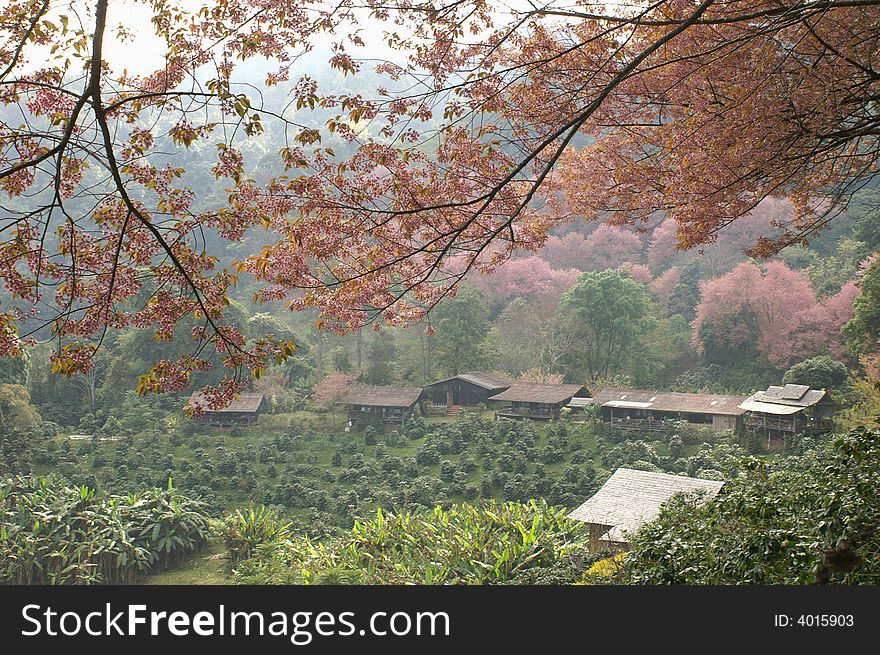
144, 52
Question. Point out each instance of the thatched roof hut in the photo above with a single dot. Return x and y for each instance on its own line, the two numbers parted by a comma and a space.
631, 498
792, 409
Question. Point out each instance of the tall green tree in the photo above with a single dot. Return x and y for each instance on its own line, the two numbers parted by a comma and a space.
863, 331
13, 370
820, 372
382, 353
16, 411
685, 295
610, 313
415, 357
664, 353
829, 274
58, 398
461, 326
864, 212
717, 345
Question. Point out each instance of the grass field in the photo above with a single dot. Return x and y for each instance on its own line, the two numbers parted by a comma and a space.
207, 568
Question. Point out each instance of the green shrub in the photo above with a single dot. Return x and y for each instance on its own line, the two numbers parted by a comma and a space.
789, 520
246, 531
487, 543
51, 533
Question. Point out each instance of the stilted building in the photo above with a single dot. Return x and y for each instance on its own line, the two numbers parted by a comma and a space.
465, 390
785, 411
653, 411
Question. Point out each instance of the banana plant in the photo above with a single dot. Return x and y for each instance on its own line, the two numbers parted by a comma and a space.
52, 533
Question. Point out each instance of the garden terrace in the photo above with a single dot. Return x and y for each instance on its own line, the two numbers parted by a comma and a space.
537, 401
385, 404
631, 498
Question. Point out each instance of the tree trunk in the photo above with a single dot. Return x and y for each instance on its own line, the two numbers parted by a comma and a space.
319, 354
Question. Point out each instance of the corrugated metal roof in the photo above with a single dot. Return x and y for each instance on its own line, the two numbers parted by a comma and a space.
631, 498
481, 379
770, 408
631, 404
773, 392
377, 396
247, 403
580, 402
796, 395
604, 395
486, 380
540, 393
670, 401
794, 391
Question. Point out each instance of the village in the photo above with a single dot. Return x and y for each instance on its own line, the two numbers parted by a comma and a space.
629, 498
779, 411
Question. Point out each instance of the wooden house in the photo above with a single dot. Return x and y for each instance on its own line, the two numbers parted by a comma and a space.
788, 410
639, 409
466, 389
537, 401
385, 404
240, 412
631, 498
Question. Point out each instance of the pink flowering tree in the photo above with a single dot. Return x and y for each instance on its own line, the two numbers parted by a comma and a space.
610, 247
775, 310
725, 248
527, 277
606, 246
330, 390
637, 272
568, 251
663, 285
489, 125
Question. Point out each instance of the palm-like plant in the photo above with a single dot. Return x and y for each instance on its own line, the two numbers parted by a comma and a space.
246, 531
466, 544
56, 534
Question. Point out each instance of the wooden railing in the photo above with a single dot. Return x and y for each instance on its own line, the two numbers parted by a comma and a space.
436, 409
386, 415
793, 425
526, 412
